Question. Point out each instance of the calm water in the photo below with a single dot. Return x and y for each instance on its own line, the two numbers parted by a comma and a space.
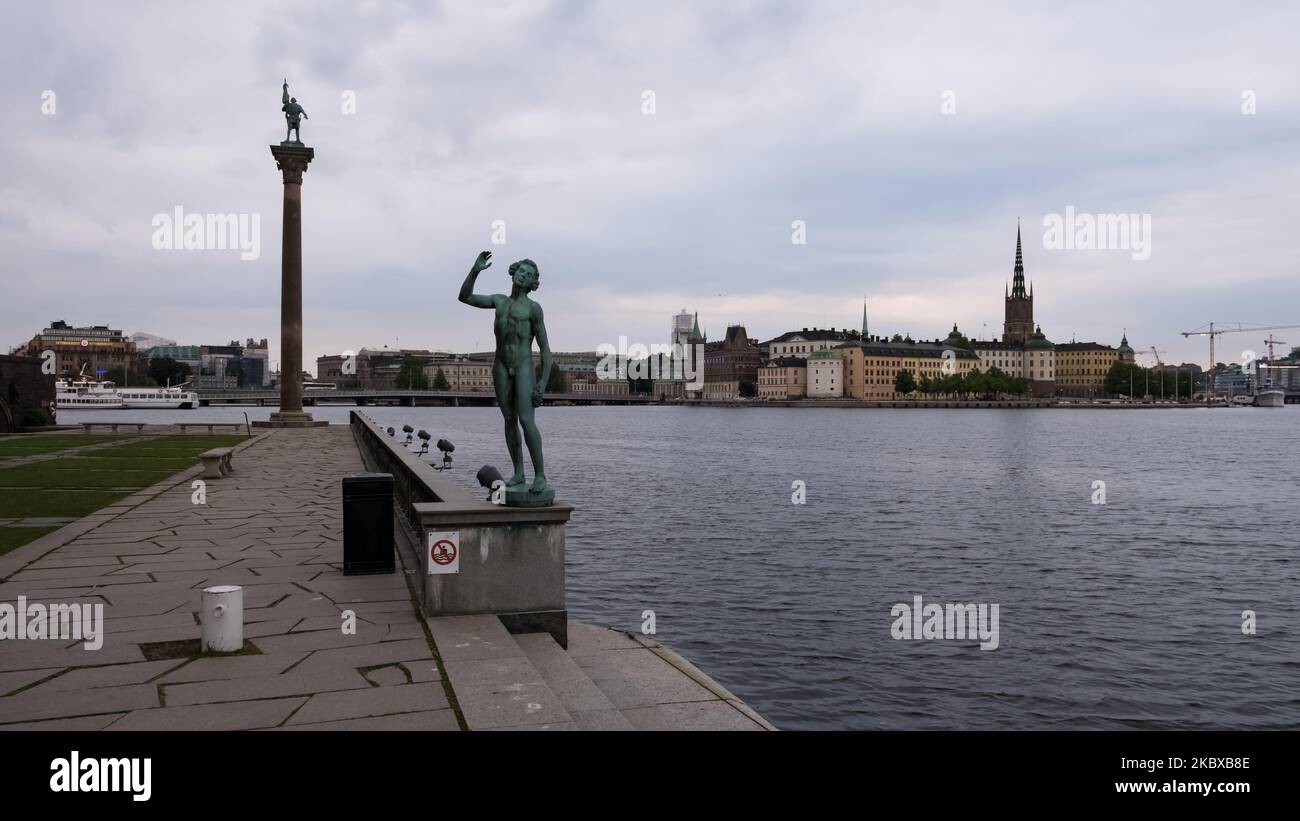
1123, 615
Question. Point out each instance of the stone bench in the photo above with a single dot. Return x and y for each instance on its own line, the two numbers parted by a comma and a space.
217, 462
113, 426
184, 426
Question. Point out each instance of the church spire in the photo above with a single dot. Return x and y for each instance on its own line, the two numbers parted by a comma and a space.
1018, 279
864, 319
696, 336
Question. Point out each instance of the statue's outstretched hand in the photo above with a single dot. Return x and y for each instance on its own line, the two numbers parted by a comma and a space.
483, 261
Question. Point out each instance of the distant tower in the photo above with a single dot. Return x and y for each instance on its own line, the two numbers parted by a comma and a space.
681, 328
1019, 324
864, 320
1125, 351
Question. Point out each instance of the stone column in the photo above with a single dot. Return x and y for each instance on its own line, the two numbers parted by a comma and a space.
292, 162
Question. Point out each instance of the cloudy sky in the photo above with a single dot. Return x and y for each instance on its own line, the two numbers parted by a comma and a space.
908, 138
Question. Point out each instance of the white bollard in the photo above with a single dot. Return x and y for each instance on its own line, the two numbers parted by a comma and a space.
223, 619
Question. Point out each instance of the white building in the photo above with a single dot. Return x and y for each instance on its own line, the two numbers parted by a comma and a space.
825, 375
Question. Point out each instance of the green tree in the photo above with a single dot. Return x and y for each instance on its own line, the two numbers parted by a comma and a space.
135, 379
410, 375
977, 383
748, 389
925, 385
896, 338
904, 382
440, 381
997, 382
1018, 386
167, 371
1125, 380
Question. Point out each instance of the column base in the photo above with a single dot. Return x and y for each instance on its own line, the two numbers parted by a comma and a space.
290, 419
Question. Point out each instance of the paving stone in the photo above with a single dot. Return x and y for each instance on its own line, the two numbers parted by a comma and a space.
13, 681
462, 638
432, 720
551, 727
114, 675
392, 675
30, 655
247, 689
244, 715
639, 678
366, 655
31, 705
228, 667
79, 725
503, 692
584, 638
423, 671
698, 715
609, 720
374, 701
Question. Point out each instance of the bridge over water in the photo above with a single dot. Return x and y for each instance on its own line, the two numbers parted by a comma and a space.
403, 398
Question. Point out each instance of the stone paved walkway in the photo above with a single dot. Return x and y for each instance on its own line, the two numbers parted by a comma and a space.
274, 527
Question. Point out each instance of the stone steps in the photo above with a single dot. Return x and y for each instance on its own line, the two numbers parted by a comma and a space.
605, 680
496, 685
585, 703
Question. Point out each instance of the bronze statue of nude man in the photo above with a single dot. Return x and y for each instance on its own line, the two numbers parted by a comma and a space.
518, 322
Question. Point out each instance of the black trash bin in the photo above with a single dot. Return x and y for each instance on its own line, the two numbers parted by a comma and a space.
368, 524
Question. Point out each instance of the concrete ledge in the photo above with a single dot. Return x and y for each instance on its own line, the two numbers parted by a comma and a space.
511, 560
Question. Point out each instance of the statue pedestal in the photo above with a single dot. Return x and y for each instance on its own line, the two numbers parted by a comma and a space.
469, 556
525, 497
510, 563
290, 419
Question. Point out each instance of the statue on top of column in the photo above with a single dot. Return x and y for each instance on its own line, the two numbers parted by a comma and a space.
293, 115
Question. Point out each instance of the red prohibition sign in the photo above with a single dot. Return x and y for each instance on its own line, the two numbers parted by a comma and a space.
443, 552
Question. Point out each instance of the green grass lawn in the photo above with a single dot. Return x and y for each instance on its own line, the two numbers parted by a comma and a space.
11, 446
81, 484
54, 502
11, 537
183, 447
65, 474
107, 462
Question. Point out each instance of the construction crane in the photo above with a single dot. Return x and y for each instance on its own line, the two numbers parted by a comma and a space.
1212, 332
1270, 342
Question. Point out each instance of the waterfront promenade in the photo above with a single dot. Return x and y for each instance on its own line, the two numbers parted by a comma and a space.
275, 528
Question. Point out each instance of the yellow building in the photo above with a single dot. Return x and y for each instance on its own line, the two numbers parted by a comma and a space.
1081, 367
871, 367
783, 378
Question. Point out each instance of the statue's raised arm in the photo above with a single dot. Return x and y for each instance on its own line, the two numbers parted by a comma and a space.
467, 294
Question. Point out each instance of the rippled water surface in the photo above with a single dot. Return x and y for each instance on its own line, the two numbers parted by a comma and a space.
1122, 615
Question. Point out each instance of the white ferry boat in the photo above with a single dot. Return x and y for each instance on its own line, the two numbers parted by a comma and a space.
91, 395
84, 396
